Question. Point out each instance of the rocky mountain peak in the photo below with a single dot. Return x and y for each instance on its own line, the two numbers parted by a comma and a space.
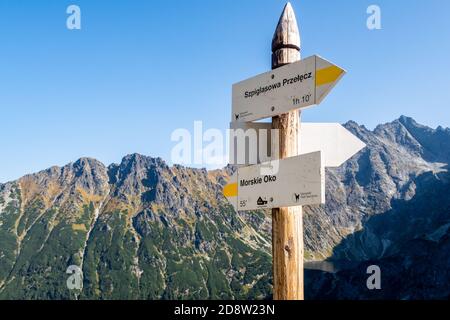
136, 174
408, 121
89, 174
435, 142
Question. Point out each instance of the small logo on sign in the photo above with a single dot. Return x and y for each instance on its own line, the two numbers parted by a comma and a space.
296, 197
236, 116
261, 202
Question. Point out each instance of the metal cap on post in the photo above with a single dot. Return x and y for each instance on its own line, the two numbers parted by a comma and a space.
287, 223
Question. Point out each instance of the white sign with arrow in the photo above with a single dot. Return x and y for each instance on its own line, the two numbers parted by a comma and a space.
335, 142
294, 86
293, 181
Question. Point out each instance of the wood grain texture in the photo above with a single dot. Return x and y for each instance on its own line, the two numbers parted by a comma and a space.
287, 223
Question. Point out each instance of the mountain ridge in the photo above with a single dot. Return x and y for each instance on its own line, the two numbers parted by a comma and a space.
404, 120
141, 229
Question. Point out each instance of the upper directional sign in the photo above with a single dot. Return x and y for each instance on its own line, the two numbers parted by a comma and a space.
289, 182
294, 86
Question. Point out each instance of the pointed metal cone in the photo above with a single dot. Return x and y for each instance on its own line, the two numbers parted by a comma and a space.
287, 34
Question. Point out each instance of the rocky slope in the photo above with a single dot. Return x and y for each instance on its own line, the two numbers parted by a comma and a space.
395, 202
138, 230
397, 154
143, 230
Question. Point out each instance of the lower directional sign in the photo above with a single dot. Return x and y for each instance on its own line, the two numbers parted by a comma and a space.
289, 182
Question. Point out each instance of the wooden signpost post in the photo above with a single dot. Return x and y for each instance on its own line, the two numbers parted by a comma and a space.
287, 223
291, 86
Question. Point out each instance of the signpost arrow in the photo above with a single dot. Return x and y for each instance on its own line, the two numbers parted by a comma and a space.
335, 142
289, 182
294, 86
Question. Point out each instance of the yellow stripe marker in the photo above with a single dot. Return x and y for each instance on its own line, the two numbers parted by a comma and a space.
230, 190
328, 75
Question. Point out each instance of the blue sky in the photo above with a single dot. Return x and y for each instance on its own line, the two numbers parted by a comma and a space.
137, 70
